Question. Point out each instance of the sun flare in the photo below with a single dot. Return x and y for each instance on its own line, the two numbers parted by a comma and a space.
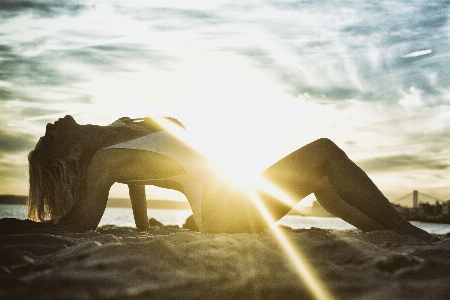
303, 270
250, 183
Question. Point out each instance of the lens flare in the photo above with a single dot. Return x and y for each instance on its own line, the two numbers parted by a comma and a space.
266, 186
303, 270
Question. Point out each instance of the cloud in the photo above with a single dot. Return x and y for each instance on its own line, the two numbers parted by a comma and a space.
6, 94
15, 142
355, 54
401, 162
13, 171
171, 18
418, 53
348, 50
40, 8
22, 71
32, 112
434, 142
46, 70
116, 57
326, 53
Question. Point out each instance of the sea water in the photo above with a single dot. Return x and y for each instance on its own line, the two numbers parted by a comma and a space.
124, 217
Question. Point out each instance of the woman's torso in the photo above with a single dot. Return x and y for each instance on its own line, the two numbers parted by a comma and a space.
217, 206
198, 168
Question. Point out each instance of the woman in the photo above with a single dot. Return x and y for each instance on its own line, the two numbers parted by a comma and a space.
73, 167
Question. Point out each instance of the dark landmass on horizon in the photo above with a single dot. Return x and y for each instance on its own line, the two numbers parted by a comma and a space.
13, 199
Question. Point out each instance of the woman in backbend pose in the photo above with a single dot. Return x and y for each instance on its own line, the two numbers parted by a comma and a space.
73, 167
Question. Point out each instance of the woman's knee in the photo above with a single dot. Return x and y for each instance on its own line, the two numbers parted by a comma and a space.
328, 146
325, 143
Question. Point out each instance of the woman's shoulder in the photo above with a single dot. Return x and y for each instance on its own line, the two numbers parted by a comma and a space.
127, 129
154, 123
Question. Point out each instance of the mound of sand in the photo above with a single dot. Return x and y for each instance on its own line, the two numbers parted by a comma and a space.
170, 263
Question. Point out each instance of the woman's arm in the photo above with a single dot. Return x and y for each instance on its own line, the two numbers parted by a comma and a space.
139, 205
117, 165
88, 210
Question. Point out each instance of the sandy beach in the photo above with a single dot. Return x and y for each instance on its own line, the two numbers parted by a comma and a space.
172, 263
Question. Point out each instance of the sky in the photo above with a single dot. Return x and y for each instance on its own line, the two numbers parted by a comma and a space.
251, 80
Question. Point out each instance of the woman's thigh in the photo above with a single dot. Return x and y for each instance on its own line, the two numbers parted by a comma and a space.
298, 174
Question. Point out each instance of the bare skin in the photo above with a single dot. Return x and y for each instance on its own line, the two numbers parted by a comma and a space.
109, 166
319, 167
340, 186
139, 206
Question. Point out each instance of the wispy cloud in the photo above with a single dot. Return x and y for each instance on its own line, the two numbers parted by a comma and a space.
16, 142
382, 66
401, 162
39, 8
12, 172
352, 52
418, 53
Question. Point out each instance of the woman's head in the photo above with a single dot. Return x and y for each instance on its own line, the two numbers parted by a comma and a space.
54, 171
61, 139
58, 164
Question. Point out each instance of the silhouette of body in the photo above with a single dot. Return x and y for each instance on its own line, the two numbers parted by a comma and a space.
143, 152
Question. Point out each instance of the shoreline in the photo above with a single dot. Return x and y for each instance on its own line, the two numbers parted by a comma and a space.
182, 206
170, 263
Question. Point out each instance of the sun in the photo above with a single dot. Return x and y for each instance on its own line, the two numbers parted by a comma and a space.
245, 177
235, 115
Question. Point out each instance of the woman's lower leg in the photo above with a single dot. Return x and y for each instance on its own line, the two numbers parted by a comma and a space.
353, 185
301, 172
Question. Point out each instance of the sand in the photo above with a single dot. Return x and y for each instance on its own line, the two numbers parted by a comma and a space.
170, 263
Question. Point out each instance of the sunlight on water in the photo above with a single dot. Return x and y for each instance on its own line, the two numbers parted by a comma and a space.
13, 211
124, 217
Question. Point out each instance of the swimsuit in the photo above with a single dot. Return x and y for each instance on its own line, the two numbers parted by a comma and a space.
198, 168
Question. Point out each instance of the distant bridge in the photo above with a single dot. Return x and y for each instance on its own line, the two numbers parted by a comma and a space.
414, 197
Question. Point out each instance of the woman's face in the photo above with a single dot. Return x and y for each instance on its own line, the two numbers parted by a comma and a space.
60, 138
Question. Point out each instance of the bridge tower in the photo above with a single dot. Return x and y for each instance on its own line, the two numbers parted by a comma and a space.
415, 199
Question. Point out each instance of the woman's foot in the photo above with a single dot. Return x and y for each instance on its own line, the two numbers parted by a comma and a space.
423, 235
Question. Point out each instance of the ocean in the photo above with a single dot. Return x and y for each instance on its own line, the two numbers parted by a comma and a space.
124, 217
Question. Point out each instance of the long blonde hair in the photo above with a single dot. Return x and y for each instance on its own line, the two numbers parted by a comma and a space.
57, 185
54, 187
